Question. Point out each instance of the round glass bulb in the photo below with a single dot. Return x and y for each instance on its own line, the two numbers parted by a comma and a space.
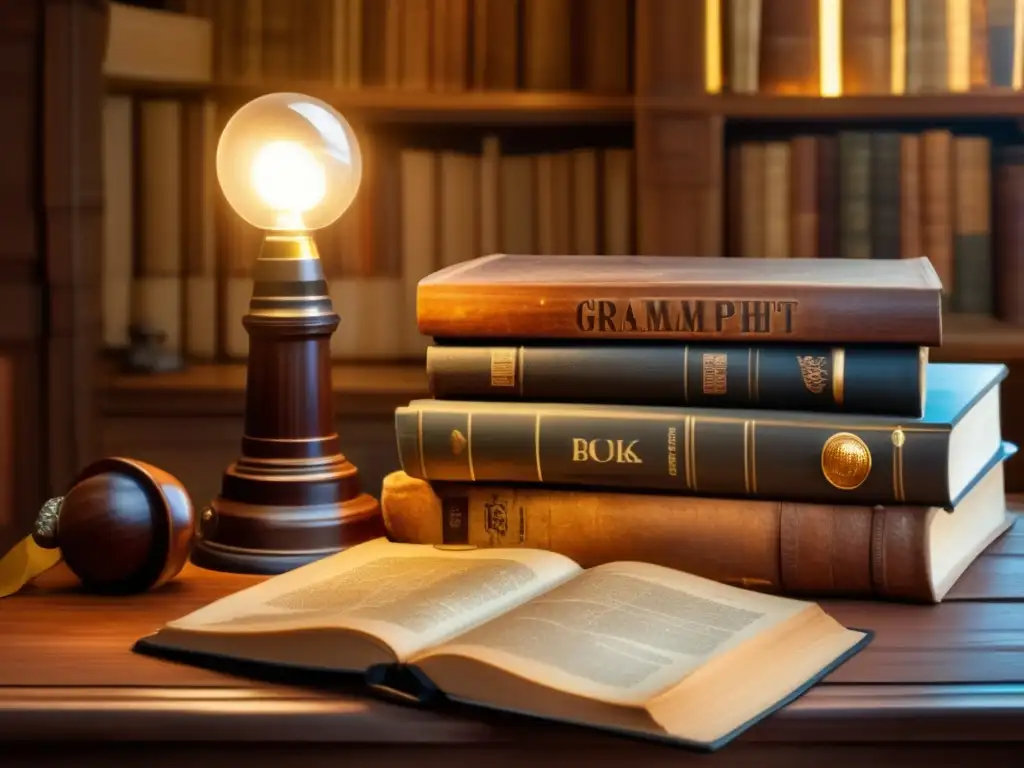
288, 162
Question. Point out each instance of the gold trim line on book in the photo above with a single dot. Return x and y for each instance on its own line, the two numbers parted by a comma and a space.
845, 461
536, 448
898, 441
469, 445
838, 375
419, 445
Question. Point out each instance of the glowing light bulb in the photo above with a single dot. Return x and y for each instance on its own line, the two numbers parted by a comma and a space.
286, 161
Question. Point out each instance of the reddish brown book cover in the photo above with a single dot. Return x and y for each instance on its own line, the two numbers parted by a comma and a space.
789, 47
681, 297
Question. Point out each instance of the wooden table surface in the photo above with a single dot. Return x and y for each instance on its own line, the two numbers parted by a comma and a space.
939, 685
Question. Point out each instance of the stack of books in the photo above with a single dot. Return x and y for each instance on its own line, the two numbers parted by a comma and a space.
773, 424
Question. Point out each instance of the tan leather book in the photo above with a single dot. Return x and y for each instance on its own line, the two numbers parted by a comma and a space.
777, 186
902, 553
752, 196
803, 205
789, 48
118, 219
547, 40
683, 297
744, 42
867, 47
495, 45
937, 203
972, 227
911, 243
927, 47
606, 46
157, 290
979, 57
1009, 235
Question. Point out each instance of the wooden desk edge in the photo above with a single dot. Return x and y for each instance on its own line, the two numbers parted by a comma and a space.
875, 714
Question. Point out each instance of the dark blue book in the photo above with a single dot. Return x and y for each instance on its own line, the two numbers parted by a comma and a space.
786, 455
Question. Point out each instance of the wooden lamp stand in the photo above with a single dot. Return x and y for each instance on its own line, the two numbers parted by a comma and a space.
292, 497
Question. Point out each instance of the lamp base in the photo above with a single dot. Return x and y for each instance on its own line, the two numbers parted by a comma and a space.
241, 536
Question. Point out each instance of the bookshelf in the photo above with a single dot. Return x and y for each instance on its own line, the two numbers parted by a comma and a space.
680, 135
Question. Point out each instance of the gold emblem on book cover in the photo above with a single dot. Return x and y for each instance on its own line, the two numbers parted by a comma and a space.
845, 461
458, 442
814, 372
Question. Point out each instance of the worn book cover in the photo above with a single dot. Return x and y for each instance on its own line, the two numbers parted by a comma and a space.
835, 458
834, 301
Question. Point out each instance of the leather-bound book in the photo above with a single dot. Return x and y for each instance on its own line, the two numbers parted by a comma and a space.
867, 47
855, 194
871, 379
902, 553
972, 229
927, 47
1001, 42
743, 42
1009, 226
884, 195
911, 246
777, 185
979, 44
752, 197
937, 203
834, 301
789, 48
828, 197
803, 199
797, 455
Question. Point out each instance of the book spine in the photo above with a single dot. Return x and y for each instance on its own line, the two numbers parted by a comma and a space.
749, 312
884, 195
876, 380
857, 551
754, 454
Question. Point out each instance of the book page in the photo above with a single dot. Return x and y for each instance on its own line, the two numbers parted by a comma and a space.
410, 596
621, 632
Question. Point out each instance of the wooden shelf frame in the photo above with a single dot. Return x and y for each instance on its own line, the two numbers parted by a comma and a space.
994, 104
388, 105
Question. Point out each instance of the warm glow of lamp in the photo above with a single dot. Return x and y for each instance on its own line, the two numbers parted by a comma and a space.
289, 162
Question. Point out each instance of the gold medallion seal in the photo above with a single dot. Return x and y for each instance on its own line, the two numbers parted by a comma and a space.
845, 461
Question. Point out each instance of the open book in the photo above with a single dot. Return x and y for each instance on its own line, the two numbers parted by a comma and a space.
627, 647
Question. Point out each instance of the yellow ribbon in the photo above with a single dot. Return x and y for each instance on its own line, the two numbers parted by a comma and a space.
24, 562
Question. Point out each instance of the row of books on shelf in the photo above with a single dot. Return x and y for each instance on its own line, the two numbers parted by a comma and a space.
178, 261
603, 552
885, 194
438, 45
832, 48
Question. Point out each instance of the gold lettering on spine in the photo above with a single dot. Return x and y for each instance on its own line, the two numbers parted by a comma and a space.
746, 456
503, 367
691, 451
838, 374
898, 440
714, 373
469, 445
536, 448
419, 444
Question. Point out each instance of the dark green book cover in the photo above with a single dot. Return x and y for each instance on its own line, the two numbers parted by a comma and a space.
790, 455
